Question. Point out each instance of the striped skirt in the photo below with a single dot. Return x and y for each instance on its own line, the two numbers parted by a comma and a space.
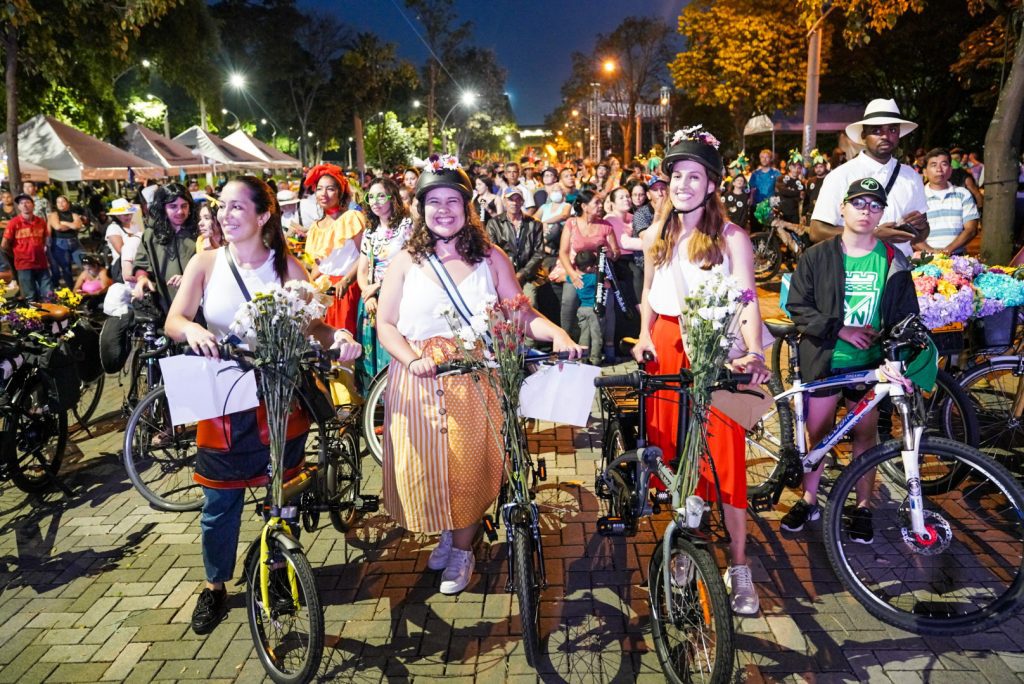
443, 459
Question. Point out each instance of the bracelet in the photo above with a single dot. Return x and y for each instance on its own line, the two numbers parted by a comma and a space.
757, 354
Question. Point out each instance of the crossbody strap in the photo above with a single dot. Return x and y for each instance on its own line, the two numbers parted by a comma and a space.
452, 290
238, 276
892, 179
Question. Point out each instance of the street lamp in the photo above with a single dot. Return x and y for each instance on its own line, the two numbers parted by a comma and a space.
167, 125
236, 80
238, 122
273, 128
468, 99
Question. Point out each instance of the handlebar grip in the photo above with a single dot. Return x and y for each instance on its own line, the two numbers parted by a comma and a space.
158, 351
627, 380
739, 378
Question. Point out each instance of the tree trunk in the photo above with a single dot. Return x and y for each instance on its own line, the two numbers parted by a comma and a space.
357, 133
431, 101
1002, 144
11, 84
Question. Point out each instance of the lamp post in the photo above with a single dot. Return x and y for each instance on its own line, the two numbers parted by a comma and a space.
273, 128
811, 92
167, 124
468, 99
238, 122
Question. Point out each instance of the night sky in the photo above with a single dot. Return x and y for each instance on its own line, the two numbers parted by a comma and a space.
533, 38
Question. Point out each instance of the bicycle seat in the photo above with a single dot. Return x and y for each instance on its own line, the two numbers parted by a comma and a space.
52, 313
780, 326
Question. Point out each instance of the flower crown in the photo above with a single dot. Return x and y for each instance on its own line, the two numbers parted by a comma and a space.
444, 162
694, 134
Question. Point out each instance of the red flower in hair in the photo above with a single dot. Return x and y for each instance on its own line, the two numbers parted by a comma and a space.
321, 170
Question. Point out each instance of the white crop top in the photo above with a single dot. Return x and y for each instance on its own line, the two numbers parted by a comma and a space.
423, 298
663, 297
222, 297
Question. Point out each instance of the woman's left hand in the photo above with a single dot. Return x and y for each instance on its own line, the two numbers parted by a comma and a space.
564, 343
174, 281
753, 364
348, 348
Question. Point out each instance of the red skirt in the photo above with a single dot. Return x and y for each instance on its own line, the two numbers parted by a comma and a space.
726, 438
342, 313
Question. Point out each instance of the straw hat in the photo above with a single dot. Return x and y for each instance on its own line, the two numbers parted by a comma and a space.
121, 207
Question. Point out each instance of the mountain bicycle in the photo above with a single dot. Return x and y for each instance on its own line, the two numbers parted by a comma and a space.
691, 619
940, 552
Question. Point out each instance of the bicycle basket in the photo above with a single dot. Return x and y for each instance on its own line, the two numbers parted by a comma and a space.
996, 331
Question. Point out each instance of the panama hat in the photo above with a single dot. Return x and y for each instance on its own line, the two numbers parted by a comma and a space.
121, 207
287, 197
879, 112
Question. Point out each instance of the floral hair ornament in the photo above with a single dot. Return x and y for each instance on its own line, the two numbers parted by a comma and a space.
444, 162
795, 157
694, 134
817, 157
741, 161
321, 170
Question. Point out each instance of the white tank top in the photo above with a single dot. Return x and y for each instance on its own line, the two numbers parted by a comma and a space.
663, 297
423, 298
222, 297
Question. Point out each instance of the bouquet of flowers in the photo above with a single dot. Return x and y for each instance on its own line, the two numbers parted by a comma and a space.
709, 325
67, 297
274, 322
22, 319
955, 289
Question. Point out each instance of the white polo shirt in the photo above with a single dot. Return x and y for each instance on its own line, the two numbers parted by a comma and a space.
907, 193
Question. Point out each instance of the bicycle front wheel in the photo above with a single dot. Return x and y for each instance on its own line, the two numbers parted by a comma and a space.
373, 417
290, 641
694, 641
967, 577
343, 477
527, 588
36, 432
160, 457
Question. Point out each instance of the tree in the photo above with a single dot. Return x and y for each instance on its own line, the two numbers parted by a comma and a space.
43, 38
389, 143
748, 57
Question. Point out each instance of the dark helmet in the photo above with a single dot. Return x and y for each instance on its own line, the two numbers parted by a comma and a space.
700, 147
439, 175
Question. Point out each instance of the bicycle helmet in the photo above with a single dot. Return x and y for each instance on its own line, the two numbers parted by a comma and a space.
444, 172
693, 144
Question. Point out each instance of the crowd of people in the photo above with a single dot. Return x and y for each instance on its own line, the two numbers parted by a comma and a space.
599, 251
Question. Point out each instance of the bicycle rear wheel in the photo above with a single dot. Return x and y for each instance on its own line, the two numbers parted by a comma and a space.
373, 417
527, 588
160, 458
290, 642
88, 399
992, 388
967, 578
696, 645
36, 432
765, 443
767, 256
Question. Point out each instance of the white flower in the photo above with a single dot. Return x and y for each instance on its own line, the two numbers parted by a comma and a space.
705, 312
716, 325
478, 322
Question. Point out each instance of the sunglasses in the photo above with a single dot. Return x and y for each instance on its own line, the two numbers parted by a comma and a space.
861, 203
378, 199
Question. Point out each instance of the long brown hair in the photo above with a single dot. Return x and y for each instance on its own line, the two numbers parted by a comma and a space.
399, 211
707, 244
472, 242
272, 232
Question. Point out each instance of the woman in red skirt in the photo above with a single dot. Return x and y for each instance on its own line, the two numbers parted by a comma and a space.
690, 236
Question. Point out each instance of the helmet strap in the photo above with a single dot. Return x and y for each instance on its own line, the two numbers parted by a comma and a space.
448, 239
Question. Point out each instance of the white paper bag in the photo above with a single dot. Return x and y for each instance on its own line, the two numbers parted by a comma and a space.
561, 393
198, 388
341, 260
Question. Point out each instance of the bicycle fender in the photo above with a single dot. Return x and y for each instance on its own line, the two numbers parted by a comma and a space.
284, 539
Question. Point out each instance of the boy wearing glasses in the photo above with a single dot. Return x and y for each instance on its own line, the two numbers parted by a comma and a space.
844, 293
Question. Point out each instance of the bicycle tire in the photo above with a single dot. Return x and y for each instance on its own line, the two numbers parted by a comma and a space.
89, 400
373, 417
162, 470
767, 256
776, 359
343, 477
968, 579
37, 433
621, 483
766, 441
527, 589
703, 617
279, 636
950, 415
992, 387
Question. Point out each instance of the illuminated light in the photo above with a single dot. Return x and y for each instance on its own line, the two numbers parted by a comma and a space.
146, 63
609, 66
237, 80
468, 98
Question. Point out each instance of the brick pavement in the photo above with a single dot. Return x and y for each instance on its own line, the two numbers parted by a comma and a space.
102, 589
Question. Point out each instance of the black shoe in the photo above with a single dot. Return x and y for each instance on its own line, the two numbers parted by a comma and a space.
860, 528
281, 601
800, 514
210, 610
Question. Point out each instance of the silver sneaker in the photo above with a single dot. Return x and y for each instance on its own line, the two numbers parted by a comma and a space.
740, 584
439, 556
459, 571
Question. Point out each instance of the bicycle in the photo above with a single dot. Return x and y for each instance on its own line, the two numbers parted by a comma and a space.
373, 416
941, 559
996, 390
781, 242
687, 592
949, 413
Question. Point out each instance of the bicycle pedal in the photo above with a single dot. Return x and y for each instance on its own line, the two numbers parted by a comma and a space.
542, 469
761, 503
611, 526
489, 529
601, 487
370, 504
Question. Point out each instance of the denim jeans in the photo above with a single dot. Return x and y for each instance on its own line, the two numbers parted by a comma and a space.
590, 332
35, 283
220, 523
65, 252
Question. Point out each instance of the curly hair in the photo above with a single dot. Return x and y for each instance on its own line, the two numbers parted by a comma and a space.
472, 242
163, 231
399, 211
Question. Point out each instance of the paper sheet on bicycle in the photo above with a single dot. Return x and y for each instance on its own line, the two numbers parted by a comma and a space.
561, 393
341, 260
198, 388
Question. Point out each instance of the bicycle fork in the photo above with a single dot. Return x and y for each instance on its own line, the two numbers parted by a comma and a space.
512, 514
912, 464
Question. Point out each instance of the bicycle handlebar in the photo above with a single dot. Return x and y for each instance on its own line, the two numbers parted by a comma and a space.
160, 349
726, 379
463, 367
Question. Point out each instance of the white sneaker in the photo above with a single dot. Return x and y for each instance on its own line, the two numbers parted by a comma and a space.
740, 584
439, 556
459, 571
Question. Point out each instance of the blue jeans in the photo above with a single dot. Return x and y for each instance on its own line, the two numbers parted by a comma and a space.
220, 523
65, 252
35, 283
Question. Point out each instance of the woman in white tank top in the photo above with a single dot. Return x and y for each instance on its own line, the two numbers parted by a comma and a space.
251, 219
443, 464
689, 237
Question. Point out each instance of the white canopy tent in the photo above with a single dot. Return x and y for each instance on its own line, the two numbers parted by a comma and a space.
221, 154
274, 157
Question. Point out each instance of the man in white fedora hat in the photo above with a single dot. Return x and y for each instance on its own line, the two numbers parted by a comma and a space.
905, 219
289, 202
122, 215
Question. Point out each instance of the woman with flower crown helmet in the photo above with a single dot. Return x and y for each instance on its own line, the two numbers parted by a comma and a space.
689, 240
443, 463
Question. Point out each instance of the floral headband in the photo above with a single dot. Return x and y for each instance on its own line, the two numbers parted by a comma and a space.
444, 162
694, 134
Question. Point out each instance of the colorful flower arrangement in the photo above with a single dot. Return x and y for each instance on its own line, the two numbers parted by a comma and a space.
956, 289
22, 319
66, 297
444, 162
694, 134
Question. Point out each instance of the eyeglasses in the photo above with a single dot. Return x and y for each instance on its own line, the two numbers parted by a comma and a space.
378, 199
861, 203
